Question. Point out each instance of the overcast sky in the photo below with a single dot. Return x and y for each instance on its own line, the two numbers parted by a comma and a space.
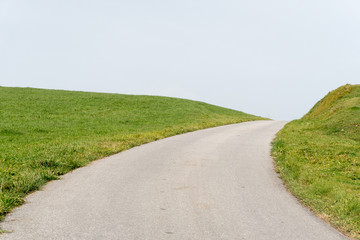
274, 58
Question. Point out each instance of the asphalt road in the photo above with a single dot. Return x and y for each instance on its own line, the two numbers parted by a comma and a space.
217, 183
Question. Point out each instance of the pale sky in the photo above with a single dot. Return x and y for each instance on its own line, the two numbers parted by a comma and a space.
273, 58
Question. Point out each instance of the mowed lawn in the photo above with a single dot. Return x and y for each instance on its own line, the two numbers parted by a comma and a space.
46, 133
318, 157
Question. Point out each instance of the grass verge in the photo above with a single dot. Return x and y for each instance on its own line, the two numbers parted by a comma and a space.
47, 133
318, 157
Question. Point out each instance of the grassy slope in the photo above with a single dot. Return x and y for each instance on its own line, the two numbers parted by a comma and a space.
46, 133
318, 157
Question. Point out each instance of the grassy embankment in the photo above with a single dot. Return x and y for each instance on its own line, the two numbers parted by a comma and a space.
46, 133
318, 157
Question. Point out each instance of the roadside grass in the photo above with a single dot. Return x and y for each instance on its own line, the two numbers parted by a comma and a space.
318, 157
47, 133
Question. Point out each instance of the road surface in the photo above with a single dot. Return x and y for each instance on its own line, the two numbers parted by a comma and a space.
217, 183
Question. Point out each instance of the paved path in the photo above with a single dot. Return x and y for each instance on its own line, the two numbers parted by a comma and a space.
211, 184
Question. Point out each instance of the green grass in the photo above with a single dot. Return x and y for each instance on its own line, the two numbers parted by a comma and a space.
318, 157
47, 133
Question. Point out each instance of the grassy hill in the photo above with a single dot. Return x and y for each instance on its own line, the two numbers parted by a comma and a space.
318, 157
46, 133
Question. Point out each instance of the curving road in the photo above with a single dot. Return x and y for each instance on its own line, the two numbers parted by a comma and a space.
217, 183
